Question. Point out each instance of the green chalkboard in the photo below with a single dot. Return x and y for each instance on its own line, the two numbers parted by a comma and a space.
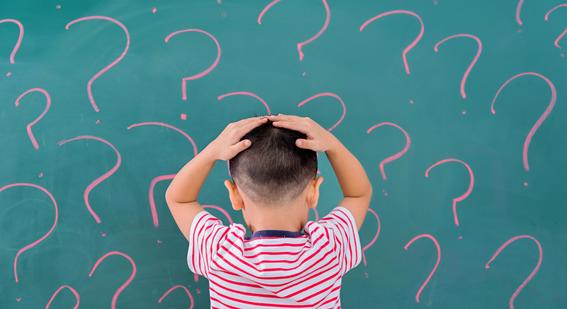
456, 109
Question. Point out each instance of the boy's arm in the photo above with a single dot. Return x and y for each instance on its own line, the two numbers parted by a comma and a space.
357, 189
181, 195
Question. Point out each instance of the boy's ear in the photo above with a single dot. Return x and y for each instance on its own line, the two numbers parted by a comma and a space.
233, 194
314, 192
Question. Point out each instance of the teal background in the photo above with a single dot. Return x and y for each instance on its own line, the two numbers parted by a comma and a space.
364, 68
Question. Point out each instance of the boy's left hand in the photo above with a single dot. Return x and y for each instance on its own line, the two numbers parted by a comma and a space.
228, 144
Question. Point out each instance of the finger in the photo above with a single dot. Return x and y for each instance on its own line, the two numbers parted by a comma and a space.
251, 123
305, 143
248, 123
283, 117
292, 125
255, 119
242, 129
250, 120
240, 146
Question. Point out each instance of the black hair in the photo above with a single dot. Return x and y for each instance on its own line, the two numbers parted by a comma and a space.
273, 169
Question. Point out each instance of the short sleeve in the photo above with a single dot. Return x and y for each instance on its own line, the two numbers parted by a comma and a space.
342, 226
205, 237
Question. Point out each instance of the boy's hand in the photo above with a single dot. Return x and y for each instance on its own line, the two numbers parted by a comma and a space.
228, 144
318, 138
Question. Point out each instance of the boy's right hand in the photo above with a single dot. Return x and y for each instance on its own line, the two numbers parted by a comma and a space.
318, 138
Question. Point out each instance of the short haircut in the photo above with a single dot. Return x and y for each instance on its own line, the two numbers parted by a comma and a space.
273, 170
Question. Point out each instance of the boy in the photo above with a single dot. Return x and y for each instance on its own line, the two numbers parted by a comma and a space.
288, 261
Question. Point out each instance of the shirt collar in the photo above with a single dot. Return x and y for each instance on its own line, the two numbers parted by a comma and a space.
274, 233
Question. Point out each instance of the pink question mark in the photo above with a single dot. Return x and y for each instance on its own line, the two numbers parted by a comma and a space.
556, 42
182, 287
100, 179
327, 94
243, 93
397, 155
436, 263
518, 11
415, 41
70, 288
35, 243
162, 177
464, 195
368, 245
313, 38
113, 63
31, 124
531, 275
246, 93
316, 214
18, 42
473, 62
126, 283
205, 72
541, 119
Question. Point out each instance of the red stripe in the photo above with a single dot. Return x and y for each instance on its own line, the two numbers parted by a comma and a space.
270, 278
341, 260
353, 233
347, 240
293, 284
258, 303
223, 236
296, 282
339, 231
333, 290
203, 252
273, 245
282, 253
272, 269
211, 243
276, 296
273, 253
335, 299
236, 282
318, 304
203, 257
272, 237
334, 245
213, 237
192, 244
220, 302
241, 228
329, 278
248, 293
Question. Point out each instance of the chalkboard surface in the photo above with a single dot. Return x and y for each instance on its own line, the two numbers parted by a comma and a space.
455, 108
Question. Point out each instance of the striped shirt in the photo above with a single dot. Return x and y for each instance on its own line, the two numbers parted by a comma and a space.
289, 270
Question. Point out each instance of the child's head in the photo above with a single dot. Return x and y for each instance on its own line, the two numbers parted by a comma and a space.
274, 174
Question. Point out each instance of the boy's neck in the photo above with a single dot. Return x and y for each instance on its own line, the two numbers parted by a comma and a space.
280, 218
255, 229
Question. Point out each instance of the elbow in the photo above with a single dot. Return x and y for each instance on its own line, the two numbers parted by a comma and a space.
169, 195
369, 190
